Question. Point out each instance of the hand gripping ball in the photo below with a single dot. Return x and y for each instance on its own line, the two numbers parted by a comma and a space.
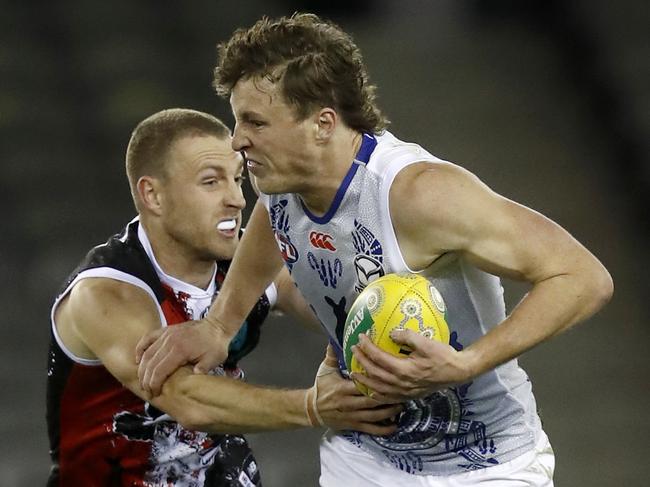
394, 302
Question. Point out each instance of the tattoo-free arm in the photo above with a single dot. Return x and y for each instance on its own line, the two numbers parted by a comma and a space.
440, 208
106, 318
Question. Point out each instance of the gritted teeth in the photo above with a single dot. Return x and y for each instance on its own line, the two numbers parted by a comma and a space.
227, 225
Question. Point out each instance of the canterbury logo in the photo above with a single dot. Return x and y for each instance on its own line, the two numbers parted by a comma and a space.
322, 241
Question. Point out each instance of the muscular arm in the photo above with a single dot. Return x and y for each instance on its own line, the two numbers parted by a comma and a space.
442, 208
106, 318
256, 263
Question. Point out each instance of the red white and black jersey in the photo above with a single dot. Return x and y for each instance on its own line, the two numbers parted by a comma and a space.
101, 434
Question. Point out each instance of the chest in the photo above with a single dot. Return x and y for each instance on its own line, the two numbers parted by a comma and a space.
331, 262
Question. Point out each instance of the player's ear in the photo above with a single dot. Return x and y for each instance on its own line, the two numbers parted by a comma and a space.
326, 120
149, 194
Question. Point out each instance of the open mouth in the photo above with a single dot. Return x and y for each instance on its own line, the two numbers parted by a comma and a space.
252, 164
227, 226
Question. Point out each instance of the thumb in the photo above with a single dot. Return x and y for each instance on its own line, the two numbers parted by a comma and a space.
205, 364
331, 359
330, 363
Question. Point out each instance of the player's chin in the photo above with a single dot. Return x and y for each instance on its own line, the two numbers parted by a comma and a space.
270, 185
225, 248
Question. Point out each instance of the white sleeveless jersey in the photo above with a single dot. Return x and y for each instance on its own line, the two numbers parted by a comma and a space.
485, 422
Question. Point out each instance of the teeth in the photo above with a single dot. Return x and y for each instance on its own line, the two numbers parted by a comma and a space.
227, 225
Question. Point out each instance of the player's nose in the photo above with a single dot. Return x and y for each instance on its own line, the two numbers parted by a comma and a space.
240, 140
235, 197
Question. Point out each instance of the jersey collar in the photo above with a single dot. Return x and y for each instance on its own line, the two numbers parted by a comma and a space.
368, 144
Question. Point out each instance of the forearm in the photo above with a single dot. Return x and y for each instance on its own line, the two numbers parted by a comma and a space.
256, 263
223, 405
551, 307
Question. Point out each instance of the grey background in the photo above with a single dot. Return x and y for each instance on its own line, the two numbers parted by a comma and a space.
547, 102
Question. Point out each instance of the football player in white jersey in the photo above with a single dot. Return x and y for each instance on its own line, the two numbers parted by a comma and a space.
316, 144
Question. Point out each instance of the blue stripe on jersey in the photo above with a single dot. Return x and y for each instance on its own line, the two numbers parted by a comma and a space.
368, 144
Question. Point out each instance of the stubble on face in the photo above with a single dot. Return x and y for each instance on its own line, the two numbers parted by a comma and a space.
192, 211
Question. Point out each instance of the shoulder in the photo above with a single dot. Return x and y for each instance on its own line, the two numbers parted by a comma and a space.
440, 186
98, 312
102, 296
124, 254
440, 207
392, 154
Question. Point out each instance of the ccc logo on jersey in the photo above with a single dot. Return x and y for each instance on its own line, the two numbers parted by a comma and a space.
322, 241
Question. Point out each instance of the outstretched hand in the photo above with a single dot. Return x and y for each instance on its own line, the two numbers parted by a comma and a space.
334, 401
431, 366
161, 352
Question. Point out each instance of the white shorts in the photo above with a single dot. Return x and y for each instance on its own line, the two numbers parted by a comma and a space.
343, 464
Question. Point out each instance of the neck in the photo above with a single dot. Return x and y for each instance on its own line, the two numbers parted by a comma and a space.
336, 157
175, 259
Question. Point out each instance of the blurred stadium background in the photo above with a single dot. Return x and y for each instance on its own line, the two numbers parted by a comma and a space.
547, 101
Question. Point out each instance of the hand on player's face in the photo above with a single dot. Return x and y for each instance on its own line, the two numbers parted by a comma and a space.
161, 352
431, 366
343, 407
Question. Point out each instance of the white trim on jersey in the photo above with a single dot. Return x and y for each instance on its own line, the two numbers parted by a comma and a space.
107, 273
387, 163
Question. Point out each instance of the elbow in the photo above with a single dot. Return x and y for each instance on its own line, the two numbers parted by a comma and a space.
600, 286
606, 287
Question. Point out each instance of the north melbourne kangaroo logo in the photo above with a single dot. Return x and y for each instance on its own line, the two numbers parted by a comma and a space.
340, 313
322, 241
368, 262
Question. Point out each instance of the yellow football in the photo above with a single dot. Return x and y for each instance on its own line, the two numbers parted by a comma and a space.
394, 302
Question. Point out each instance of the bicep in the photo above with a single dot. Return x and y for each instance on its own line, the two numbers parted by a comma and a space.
110, 317
456, 212
511, 240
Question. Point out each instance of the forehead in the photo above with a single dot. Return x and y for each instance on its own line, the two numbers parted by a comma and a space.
201, 151
258, 95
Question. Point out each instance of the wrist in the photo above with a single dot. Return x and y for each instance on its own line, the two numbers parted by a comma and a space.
218, 327
311, 407
469, 364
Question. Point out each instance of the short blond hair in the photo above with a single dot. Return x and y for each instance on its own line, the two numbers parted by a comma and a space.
146, 154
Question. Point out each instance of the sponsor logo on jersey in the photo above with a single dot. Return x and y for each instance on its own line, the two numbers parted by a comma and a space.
322, 241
